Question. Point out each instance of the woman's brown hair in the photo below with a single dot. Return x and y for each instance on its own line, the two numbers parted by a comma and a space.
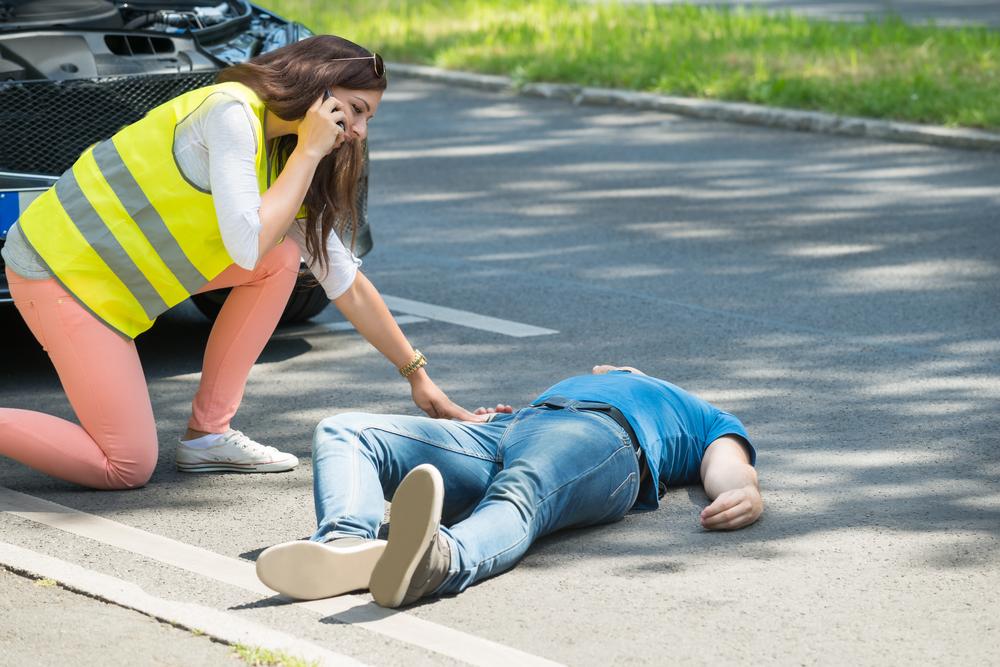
289, 80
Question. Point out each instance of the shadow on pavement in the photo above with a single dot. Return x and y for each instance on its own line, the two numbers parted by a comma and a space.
840, 296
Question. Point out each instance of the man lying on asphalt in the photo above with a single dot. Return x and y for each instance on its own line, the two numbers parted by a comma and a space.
468, 499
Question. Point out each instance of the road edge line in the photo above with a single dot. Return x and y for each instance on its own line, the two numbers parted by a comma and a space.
215, 624
348, 609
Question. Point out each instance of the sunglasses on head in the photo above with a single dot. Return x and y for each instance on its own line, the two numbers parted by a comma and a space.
376, 61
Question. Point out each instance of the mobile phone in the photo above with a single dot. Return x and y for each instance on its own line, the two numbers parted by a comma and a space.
326, 96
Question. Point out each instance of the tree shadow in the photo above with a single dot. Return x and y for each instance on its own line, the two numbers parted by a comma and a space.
838, 295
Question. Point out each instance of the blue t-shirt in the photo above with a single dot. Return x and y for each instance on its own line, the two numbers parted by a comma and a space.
674, 427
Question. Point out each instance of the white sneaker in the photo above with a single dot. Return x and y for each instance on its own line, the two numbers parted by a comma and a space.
310, 570
235, 452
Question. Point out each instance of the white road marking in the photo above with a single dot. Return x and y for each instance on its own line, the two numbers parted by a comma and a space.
220, 625
336, 327
347, 326
465, 318
353, 609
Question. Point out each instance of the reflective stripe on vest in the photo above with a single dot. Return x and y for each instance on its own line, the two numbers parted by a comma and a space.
111, 252
141, 210
123, 230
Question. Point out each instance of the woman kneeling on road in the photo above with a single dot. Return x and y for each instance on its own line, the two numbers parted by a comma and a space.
200, 194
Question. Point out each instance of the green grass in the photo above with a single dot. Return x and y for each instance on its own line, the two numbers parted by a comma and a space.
882, 69
261, 657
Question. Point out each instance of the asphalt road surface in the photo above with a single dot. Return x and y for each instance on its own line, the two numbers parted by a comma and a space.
955, 13
839, 295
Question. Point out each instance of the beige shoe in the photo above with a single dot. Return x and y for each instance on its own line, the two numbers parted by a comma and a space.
417, 558
313, 570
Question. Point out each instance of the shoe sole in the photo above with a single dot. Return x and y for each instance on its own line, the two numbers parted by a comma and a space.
310, 571
415, 516
277, 466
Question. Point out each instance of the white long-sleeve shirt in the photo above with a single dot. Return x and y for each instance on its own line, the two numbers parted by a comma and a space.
215, 149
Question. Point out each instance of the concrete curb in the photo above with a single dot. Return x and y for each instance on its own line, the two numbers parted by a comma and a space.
219, 625
735, 112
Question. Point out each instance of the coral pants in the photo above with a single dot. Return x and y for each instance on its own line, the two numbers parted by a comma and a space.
115, 444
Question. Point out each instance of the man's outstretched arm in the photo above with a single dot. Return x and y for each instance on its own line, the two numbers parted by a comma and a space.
731, 483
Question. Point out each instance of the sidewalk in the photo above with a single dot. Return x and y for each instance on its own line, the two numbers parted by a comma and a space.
55, 627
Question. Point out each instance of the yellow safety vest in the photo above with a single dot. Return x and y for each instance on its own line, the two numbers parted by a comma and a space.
124, 231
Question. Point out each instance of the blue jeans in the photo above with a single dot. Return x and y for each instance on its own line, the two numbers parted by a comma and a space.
507, 482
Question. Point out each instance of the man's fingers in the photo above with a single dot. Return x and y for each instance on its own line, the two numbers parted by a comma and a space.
732, 518
745, 517
732, 509
501, 408
732, 524
721, 504
601, 369
718, 518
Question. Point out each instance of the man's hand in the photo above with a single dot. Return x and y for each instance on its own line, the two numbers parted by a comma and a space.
731, 482
500, 409
733, 509
436, 403
601, 369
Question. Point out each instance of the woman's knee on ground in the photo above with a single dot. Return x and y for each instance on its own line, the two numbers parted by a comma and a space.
132, 470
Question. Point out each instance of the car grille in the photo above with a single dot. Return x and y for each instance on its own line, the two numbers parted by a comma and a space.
47, 124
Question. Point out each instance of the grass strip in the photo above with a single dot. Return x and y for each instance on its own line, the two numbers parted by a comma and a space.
880, 69
254, 656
